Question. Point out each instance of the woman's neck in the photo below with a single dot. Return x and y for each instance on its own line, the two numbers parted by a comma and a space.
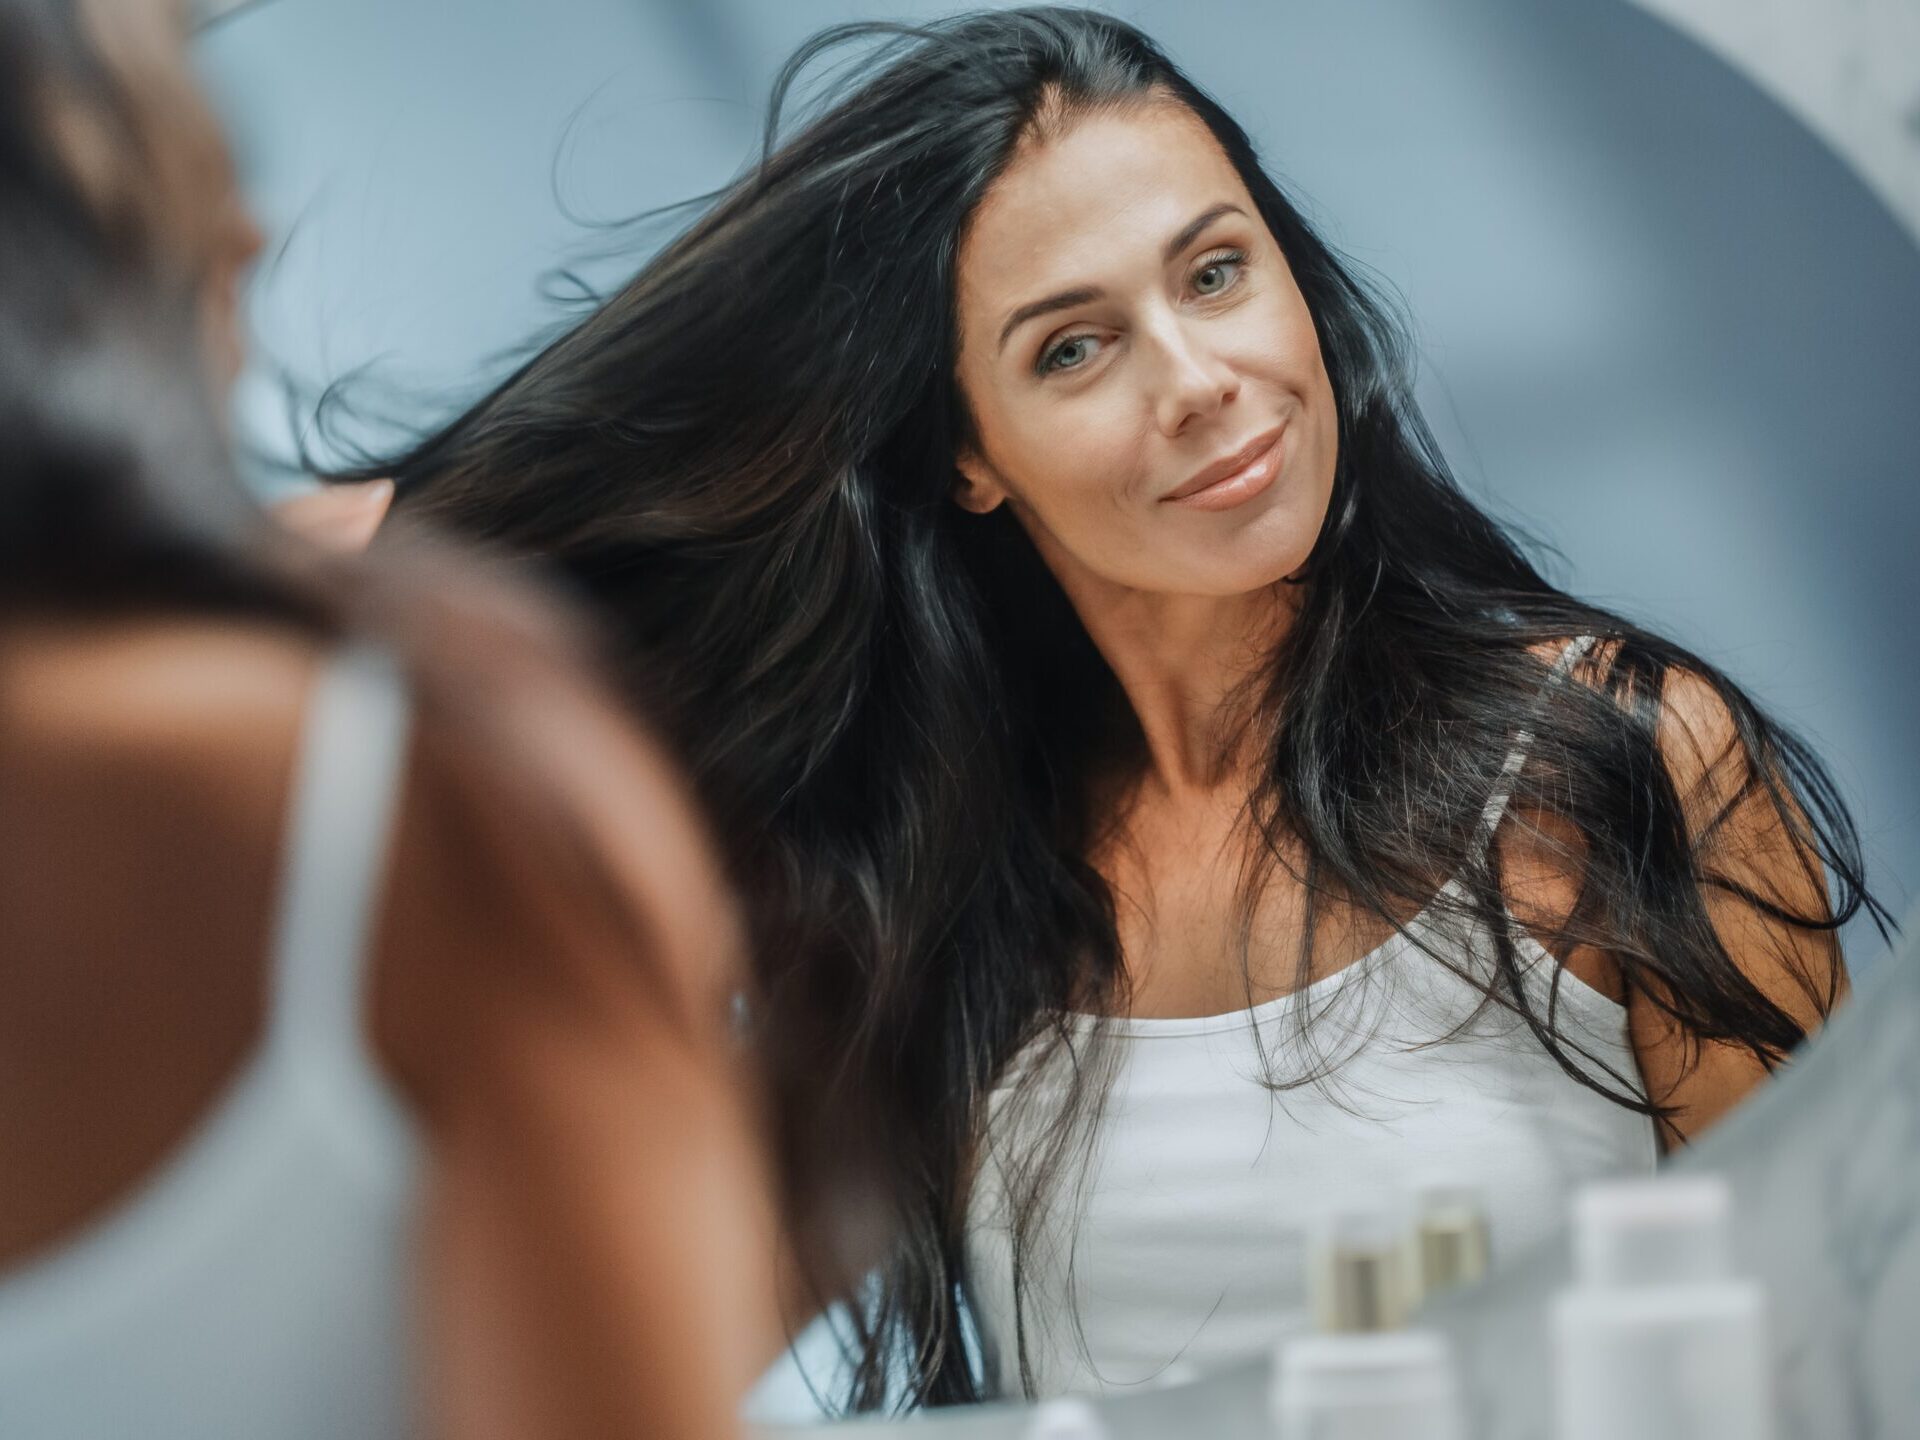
1191, 667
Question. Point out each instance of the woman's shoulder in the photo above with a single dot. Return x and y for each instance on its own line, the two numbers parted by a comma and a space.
549, 844
1592, 656
135, 678
1693, 722
562, 878
177, 720
143, 767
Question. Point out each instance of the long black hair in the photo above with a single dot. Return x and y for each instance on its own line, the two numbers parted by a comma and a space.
745, 456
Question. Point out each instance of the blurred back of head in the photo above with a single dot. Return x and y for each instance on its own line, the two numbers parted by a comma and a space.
120, 234
119, 224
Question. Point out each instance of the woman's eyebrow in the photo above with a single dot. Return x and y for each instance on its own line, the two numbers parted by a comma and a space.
1086, 294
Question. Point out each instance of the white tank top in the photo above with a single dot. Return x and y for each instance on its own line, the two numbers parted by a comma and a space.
255, 1288
1183, 1238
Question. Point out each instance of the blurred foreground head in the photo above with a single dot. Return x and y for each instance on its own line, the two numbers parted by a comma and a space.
121, 236
121, 242
115, 108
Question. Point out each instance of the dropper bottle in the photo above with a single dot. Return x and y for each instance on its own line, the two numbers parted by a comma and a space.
1377, 1385
1363, 1377
1451, 1243
1362, 1277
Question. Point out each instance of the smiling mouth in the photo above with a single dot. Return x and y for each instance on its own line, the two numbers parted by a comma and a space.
1239, 486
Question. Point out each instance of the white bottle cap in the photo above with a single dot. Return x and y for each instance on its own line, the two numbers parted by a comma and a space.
1389, 1385
1670, 1230
1066, 1419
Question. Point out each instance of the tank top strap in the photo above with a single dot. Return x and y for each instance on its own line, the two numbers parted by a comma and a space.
341, 813
1496, 805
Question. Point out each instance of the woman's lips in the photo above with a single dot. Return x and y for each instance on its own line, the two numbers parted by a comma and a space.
1241, 486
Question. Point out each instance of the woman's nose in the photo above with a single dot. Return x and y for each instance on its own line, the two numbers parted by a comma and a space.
1195, 381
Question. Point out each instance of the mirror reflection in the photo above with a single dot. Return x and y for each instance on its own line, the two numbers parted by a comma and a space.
937, 758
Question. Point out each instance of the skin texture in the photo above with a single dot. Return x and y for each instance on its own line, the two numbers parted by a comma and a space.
1173, 365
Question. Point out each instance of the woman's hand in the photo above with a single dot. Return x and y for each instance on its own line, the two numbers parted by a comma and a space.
337, 517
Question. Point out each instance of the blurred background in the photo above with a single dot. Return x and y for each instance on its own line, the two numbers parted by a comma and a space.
1664, 261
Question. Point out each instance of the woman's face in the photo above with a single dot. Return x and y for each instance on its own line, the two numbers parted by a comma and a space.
1129, 330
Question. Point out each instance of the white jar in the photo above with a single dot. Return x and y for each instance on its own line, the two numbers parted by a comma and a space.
1656, 1339
1384, 1385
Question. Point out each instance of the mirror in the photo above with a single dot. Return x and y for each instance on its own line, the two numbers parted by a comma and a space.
1663, 326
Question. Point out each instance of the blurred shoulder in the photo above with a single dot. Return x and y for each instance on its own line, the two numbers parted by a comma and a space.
537, 818
196, 714
561, 882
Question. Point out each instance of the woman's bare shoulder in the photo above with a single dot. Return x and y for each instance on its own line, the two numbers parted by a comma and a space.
143, 772
1591, 667
158, 686
539, 825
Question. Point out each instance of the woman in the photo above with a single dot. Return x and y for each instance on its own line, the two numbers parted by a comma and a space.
298, 1142
1191, 812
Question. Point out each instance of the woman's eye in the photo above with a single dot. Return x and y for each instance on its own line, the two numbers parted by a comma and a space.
1225, 269
1216, 277
1069, 354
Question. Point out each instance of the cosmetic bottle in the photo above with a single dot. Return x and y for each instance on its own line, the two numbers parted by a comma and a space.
1362, 1274
1451, 1244
1381, 1385
1657, 1338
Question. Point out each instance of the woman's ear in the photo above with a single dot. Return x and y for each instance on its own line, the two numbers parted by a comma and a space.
976, 487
